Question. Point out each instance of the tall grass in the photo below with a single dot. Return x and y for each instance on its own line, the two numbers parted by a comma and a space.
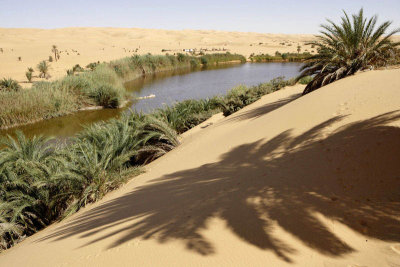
136, 66
41, 102
278, 57
215, 59
101, 85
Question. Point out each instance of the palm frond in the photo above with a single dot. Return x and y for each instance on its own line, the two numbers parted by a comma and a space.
343, 49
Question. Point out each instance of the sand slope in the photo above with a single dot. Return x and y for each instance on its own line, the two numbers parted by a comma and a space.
310, 181
85, 45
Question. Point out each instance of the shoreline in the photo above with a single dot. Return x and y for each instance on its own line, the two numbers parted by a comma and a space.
276, 61
130, 77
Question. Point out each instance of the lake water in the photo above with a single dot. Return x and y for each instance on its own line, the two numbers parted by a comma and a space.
168, 88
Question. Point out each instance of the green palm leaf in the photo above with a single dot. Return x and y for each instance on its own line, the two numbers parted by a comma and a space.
343, 49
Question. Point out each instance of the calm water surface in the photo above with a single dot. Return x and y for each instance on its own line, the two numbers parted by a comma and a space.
168, 88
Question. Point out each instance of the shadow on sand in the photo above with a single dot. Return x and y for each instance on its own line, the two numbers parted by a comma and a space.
352, 176
262, 110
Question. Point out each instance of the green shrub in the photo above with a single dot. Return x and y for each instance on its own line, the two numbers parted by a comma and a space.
28, 75
92, 65
189, 113
219, 57
43, 68
77, 68
305, 80
241, 96
181, 57
278, 83
204, 60
106, 96
237, 98
292, 57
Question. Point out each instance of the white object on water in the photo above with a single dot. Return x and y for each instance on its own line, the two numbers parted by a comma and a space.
145, 97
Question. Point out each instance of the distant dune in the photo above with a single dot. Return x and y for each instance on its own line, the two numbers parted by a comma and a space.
309, 181
85, 45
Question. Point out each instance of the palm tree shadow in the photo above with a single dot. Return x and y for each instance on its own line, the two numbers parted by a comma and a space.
352, 176
262, 110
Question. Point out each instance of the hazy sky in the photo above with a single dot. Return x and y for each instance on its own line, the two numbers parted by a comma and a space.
267, 16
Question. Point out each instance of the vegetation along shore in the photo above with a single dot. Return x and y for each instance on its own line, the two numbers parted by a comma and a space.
280, 57
42, 181
100, 84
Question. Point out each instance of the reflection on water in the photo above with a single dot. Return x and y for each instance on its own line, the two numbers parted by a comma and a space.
168, 88
64, 126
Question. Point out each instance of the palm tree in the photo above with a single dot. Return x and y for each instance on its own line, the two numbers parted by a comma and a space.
345, 48
55, 51
41, 181
28, 75
43, 68
9, 84
102, 153
31, 182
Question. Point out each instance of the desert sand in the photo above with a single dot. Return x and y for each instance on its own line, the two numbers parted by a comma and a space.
288, 180
85, 45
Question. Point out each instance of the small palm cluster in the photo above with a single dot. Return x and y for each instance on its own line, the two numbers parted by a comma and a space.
43, 68
41, 181
345, 48
9, 85
29, 74
31, 173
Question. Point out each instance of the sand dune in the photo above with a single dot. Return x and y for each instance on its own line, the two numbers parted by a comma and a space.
85, 45
310, 181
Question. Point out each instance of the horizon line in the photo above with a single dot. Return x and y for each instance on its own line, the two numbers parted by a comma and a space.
138, 28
